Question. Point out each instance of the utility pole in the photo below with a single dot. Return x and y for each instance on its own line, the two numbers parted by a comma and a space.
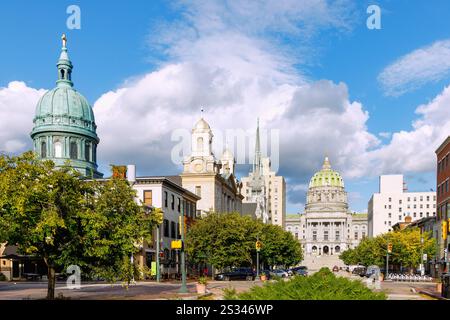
183, 288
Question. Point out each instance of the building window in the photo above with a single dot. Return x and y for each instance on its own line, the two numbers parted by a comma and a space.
179, 205
363, 235
172, 204
57, 147
296, 235
400, 217
148, 197
200, 144
73, 150
165, 199
390, 199
173, 230
314, 235
337, 236
325, 235
87, 151
356, 235
390, 215
43, 149
166, 228
198, 191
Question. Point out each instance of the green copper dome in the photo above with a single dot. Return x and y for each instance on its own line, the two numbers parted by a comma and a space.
326, 177
64, 124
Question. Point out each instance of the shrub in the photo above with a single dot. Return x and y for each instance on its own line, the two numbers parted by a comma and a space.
229, 294
2, 277
323, 285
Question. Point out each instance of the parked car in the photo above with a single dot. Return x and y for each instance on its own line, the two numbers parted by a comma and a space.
237, 274
279, 273
302, 270
360, 271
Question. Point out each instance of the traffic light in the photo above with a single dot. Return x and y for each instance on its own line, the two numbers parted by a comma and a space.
258, 245
444, 229
389, 248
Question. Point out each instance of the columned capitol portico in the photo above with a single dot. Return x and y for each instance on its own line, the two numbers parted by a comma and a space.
327, 228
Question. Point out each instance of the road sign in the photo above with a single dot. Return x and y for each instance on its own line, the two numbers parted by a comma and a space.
389, 248
176, 244
425, 257
258, 245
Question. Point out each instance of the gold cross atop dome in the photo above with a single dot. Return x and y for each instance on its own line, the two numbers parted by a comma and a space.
64, 40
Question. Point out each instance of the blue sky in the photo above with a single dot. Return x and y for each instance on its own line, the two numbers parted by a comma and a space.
129, 44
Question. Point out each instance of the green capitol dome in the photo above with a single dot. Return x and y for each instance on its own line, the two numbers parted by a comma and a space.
64, 124
326, 177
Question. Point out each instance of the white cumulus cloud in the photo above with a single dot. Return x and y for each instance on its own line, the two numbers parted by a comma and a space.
422, 66
17, 106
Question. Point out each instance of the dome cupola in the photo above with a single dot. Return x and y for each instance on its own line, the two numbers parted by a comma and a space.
326, 190
64, 123
326, 177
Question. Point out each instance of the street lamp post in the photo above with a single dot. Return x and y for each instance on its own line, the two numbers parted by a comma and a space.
183, 288
158, 271
257, 260
422, 266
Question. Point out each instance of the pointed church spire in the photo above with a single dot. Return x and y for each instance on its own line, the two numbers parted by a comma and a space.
257, 163
64, 66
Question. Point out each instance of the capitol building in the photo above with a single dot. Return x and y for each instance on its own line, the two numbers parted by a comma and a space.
327, 227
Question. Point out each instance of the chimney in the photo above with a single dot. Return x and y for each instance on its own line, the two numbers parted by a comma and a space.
131, 173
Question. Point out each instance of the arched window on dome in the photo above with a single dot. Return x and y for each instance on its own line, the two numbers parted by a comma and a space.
57, 149
87, 151
62, 73
73, 150
43, 149
200, 144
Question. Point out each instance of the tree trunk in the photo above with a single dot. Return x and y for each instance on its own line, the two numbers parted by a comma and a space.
51, 283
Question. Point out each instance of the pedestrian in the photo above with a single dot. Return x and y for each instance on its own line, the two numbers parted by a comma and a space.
205, 271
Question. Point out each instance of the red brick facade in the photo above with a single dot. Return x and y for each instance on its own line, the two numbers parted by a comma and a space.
443, 181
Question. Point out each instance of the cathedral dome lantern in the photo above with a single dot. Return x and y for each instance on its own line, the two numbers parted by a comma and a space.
64, 123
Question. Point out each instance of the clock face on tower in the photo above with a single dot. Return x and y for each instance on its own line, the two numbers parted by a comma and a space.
198, 167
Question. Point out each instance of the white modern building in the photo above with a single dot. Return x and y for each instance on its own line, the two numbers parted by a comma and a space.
393, 203
264, 188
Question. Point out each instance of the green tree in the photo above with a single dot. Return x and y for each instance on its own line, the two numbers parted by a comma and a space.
406, 249
228, 240
54, 214
279, 247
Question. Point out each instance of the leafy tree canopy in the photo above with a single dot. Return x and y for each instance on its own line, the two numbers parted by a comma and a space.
228, 240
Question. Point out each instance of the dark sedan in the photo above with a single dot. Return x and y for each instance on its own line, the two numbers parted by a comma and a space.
237, 274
